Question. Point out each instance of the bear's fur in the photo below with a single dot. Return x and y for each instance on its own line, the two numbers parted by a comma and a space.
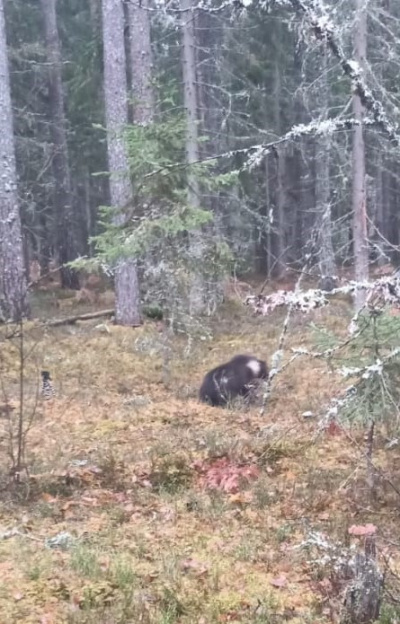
232, 379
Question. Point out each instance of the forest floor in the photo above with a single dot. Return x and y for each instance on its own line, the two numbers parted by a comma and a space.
145, 506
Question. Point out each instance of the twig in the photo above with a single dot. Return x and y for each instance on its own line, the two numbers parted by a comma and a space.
256, 153
276, 368
14, 532
45, 275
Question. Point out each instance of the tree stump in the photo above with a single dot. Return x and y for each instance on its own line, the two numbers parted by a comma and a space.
362, 599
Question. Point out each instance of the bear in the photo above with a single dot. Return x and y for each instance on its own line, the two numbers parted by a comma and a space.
232, 379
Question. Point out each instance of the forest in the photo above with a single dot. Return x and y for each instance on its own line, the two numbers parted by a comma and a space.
199, 311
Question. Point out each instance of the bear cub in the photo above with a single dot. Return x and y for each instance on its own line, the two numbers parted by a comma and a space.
232, 379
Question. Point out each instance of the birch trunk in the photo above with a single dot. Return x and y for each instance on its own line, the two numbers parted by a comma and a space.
13, 288
127, 305
360, 242
63, 197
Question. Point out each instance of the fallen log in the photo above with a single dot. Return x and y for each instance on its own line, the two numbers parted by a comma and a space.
70, 320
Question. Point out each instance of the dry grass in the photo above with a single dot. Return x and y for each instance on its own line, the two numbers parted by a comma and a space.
112, 463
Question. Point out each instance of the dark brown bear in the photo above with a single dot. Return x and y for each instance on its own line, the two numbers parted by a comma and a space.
227, 381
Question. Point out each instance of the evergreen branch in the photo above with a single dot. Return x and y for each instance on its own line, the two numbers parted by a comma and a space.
256, 153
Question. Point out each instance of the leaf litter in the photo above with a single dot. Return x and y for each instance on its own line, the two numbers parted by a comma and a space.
222, 540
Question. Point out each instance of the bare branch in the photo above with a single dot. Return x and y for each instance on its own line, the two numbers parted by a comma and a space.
323, 30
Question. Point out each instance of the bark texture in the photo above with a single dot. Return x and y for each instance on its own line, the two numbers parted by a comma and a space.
127, 308
190, 94
281, 199
360, 242
363, 596
13, 288
197, 291
141, 62
322, 182
63, 197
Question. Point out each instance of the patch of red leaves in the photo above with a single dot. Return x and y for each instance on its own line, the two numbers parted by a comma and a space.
362, 530
333, 429
224, 474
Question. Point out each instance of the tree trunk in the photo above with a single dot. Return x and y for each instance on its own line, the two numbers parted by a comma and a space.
190, 95
360, 242
279, 225
13, 288
115, 92
379, 209
87, 202
280, 239
95, 15
265, 233
322, 183
208, 34
209, 31
192, 145
141, 62
63, 197
364, 592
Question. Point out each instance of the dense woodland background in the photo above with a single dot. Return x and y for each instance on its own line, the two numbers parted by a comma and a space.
163, 163
292, 162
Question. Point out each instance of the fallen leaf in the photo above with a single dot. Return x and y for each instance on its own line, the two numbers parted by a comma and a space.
224, 474
193, 564
47, 618
280, 581
69, 504
359, 530
326, 585
240, 498
104, 563
151, 576
18, 596
250, 513
89, 500
333, 429
48, 498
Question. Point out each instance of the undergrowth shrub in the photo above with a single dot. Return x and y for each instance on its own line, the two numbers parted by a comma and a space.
159, 225
370, 358
21, 403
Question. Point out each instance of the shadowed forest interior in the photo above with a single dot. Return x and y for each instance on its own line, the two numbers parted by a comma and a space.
183, 183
